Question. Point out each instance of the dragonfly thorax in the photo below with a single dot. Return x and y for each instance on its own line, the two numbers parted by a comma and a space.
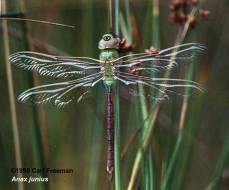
108, 55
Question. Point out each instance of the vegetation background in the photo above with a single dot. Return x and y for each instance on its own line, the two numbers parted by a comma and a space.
75, 137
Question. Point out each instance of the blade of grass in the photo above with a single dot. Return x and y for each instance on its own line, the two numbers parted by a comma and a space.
38, 21
117, 157
144, 112
117, 142
97, 131
151, 170
220, 166
156, 43
187, 142
12, 102
128, 19
146, 178
139, 156
131, 140
155, 23
172, 161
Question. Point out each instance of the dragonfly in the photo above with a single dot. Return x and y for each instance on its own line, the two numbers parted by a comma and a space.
110, 68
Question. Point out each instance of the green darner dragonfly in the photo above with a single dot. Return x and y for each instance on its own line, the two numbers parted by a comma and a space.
109, 68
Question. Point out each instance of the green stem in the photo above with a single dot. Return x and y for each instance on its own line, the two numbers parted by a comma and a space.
172, 162
155, 24
128, 17
223, 160
117, 15
151, 170
117, 141
117, 180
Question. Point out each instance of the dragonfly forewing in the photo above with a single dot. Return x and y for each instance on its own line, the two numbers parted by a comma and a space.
54, 66
167, 57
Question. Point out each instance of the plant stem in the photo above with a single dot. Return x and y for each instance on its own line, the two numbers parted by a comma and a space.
13, 111
117, 179
117, 15
128, 23
172, 161
146, 141
110, 9
155, 23
151, 170
218, 173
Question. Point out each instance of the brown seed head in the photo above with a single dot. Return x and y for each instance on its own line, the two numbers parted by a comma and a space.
194, 2
180, 11
204, 14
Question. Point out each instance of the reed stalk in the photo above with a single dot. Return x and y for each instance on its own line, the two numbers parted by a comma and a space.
117, 141
218, 173
13, 111
144, 114
91, 181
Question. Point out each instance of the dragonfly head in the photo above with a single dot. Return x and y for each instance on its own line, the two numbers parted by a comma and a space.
109, 41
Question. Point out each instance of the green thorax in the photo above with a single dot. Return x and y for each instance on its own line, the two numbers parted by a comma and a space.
107, 56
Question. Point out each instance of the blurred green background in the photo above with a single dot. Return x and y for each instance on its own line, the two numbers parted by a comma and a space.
75, 137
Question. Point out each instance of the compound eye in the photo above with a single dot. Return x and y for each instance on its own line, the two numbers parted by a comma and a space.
106, 37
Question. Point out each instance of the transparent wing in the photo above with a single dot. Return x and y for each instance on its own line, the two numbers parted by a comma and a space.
60, 94
55, 66
162, 86
162, 60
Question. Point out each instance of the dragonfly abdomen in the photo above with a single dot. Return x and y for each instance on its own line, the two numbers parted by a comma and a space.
110, 132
